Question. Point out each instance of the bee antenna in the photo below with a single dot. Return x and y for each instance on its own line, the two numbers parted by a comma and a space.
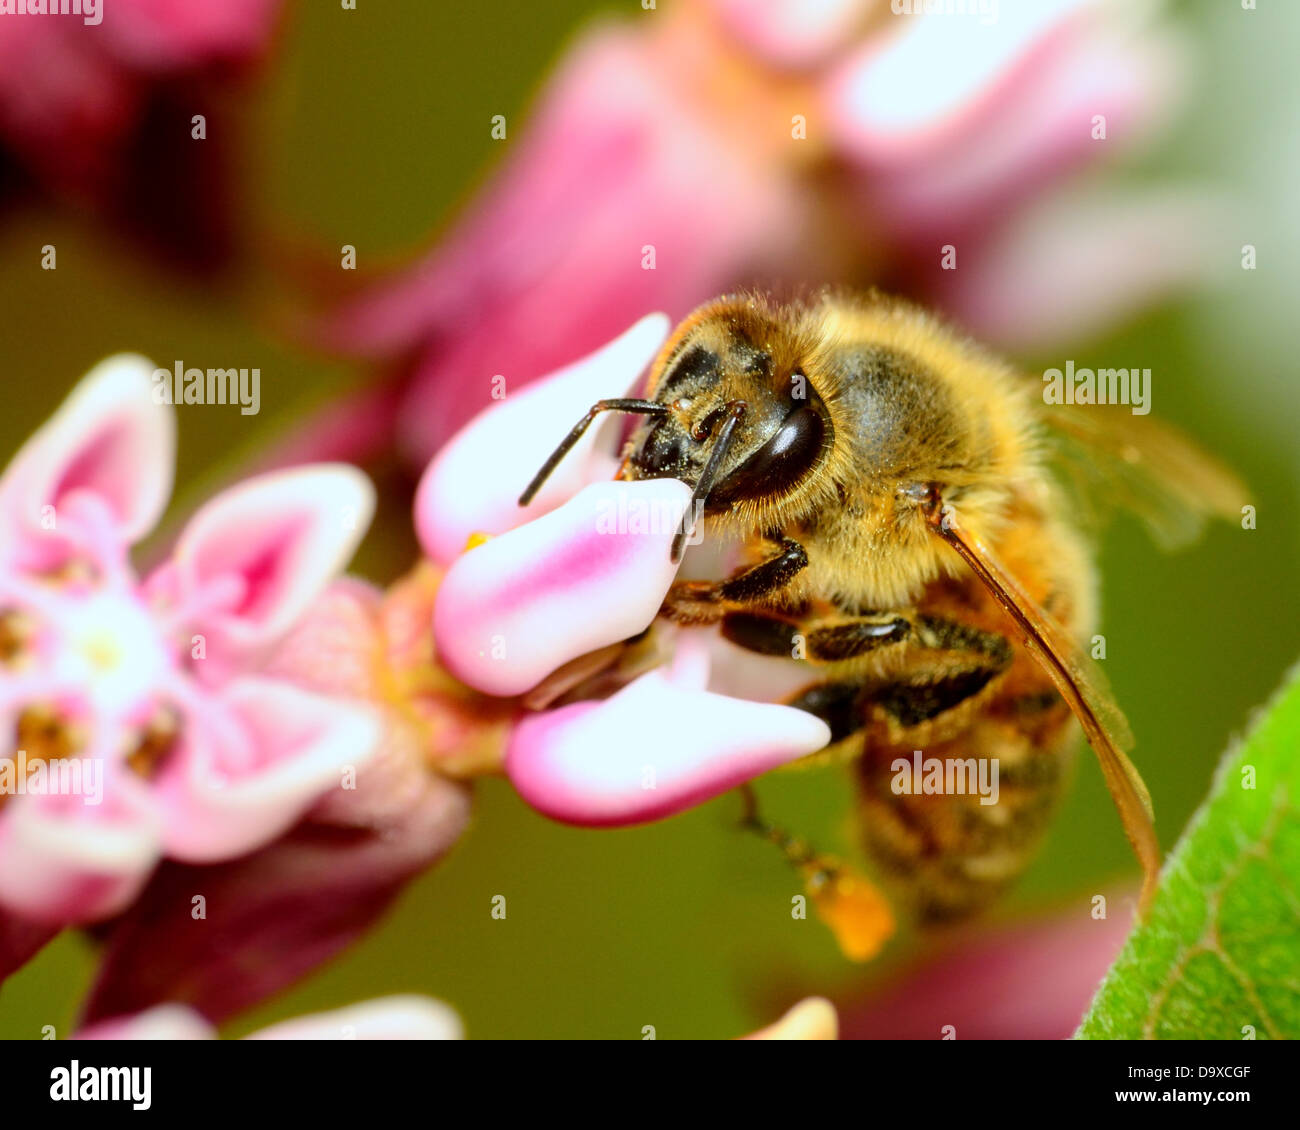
644, 407
735, 410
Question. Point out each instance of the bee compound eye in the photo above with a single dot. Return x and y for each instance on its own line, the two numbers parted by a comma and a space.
781, 462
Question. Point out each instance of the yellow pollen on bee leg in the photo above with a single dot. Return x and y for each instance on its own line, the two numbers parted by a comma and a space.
851, 907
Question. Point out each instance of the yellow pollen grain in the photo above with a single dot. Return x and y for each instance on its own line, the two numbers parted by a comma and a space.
851, 907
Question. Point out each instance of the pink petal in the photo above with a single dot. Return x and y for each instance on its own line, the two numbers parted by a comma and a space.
69, 862
66, 108
512, 610
277, 539
473, 484
953, 123
277, 914
1080, 263
166, 35
100, 116
389, 1018
1031, 981
109, 439
651, 750
230, 792
792, 33
904, 93
165, 1022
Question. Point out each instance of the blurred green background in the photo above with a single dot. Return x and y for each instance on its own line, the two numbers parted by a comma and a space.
368, 128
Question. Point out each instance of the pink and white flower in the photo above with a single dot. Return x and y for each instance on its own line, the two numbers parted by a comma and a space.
139, 706
276, 914
556, 585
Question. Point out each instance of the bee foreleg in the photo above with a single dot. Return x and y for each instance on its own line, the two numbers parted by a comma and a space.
706, 602
767, 577
836, 704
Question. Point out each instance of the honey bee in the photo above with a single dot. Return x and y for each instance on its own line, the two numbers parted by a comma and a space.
891, 486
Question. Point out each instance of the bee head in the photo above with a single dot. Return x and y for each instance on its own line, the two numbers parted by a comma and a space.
740, 421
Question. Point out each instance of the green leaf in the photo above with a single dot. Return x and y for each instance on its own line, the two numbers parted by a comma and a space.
1219, 955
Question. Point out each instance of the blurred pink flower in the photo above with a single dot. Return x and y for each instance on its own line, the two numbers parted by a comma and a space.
139, 723
744, 143
100, 113
274, 915
1027, 981
388, 1018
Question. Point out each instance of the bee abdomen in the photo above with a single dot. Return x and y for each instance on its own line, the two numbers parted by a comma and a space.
950, 838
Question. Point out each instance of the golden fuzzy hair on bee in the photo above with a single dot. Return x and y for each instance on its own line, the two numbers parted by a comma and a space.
957, 414
906, 400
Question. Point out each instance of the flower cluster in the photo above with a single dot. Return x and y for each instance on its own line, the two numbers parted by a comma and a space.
229, 702
137, 721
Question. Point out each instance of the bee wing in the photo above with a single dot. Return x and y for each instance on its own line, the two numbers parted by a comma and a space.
1080, 683
1148, 467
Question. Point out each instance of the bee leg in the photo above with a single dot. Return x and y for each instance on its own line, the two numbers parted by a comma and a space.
763, 633
909, 704
768, 577
854, 636
852, 907
950, 662
706, 602
836, 704
958, 661
819, 641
